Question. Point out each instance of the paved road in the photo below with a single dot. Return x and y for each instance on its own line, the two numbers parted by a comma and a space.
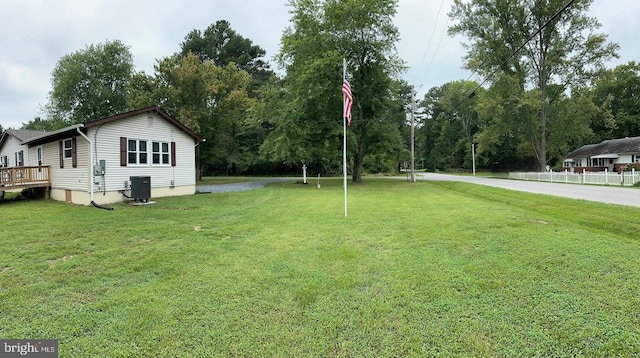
600, 193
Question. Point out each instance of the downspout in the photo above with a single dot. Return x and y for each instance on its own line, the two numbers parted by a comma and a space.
91, 174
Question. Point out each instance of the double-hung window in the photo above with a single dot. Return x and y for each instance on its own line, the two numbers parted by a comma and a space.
68, 149
40, 156
20, 158
137, 152
160, 153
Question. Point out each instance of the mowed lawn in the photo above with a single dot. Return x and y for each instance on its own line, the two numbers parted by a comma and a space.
423, 269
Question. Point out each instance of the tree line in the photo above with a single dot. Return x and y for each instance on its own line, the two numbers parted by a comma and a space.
543, 95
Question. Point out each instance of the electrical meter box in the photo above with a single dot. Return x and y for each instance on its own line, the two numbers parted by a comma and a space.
100, 168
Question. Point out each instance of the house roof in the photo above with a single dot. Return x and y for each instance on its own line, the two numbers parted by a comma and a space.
20, 134
607, 149
155, 109
52, 136
66, 132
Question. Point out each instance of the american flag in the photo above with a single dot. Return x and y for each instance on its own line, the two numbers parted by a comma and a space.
348, 99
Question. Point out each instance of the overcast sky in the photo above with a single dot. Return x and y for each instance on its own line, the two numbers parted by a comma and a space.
35, 34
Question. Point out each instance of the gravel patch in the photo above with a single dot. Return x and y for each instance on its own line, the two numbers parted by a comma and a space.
242, 186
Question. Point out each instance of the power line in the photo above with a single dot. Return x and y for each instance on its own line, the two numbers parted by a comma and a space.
437, 48
433, 32
473, 93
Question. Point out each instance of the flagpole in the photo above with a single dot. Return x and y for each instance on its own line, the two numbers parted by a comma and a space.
344, 137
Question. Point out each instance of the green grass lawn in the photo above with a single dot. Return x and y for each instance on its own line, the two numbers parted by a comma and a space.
423, 269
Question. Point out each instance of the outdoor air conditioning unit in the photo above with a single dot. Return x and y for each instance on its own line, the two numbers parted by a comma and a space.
140, 188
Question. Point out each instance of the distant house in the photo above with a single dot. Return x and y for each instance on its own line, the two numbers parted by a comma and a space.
610, 155
12, 153
93, 162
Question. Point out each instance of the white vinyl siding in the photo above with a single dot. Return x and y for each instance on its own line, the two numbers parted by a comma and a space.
10, 149
154, 130
68, 177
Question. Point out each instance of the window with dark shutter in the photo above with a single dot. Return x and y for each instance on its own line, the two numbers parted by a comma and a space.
74, 152
173, 154
61, 151
160, 153
123, 151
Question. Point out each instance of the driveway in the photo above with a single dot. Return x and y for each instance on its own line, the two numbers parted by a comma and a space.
600, 193
240, 186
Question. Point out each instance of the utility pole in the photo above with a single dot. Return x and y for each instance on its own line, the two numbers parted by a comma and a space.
413, 154
473, 156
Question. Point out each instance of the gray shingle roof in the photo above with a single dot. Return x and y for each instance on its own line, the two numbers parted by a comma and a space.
20, 134
24, 134
611, 146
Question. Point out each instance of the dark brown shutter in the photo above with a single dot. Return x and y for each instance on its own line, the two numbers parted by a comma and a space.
61, 147
173, 154
123, 151
74, 152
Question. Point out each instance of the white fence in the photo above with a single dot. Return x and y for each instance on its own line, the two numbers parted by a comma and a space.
600, 178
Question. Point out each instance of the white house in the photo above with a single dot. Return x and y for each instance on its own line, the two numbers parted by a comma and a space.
12, 153
94, 162
610, 155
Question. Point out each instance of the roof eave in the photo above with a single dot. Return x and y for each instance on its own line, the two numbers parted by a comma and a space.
51, 136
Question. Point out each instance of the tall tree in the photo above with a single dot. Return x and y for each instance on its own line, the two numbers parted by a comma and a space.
575, 116
90, 83
566, 52
509, 112
222, 45
617, 92
450, 126
39, 124
209, 99
324, 32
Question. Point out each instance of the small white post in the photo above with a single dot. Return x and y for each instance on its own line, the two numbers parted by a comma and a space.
318, 181
304, 173
606, 176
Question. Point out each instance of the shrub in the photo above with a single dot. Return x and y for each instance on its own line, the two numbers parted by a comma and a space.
635, 166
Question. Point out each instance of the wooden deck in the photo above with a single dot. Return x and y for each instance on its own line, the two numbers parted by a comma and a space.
18, 178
